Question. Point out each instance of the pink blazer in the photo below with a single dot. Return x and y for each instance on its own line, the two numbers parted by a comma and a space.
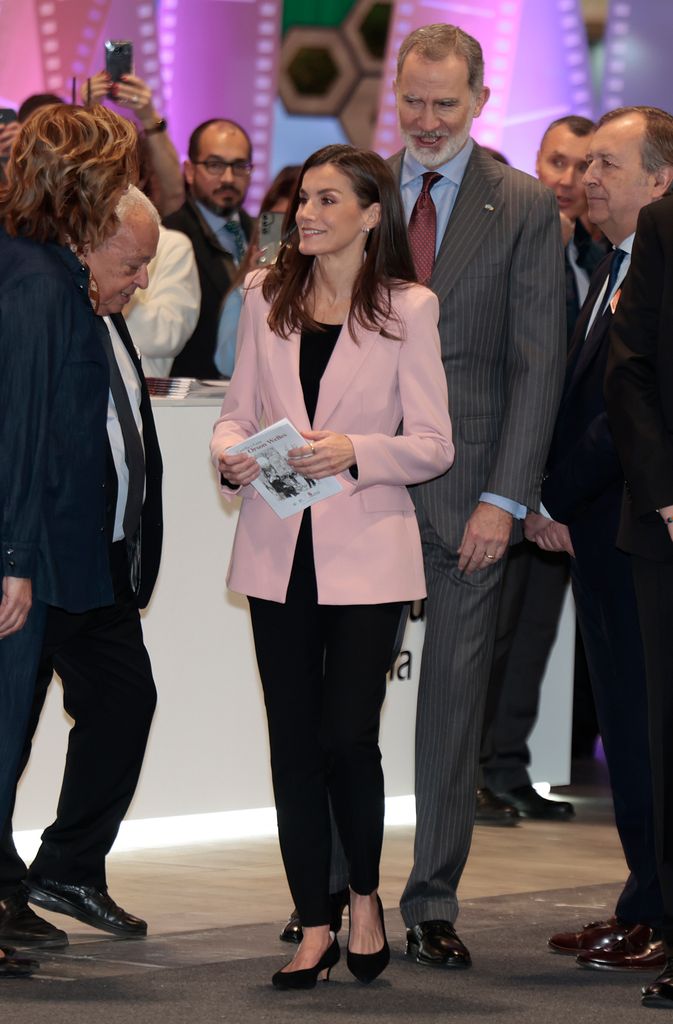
366, 541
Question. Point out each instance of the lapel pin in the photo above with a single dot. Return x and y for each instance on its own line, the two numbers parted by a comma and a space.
490, 208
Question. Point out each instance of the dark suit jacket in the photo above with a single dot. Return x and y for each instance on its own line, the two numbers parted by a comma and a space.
639, 384
500, 282
584, 480
151, 525
54, 387
216, 271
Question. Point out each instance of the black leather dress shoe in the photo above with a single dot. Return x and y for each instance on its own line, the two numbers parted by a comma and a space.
435, 944
292, 932
660, 992
20, 924
530, 804
16, 967
491, 810
87, 904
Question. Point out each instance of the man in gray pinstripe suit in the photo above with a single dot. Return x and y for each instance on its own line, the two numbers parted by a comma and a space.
498, 272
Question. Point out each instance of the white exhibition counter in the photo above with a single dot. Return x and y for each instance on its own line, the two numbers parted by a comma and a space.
208, 748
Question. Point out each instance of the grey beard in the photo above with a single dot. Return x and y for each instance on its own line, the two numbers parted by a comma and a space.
451, 146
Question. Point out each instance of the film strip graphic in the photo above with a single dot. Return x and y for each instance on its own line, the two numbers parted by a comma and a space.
495, 23
575, 57
619, 30
229, 53
72, 32
265, 84
69, 32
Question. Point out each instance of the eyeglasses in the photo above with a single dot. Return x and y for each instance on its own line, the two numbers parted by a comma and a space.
216, 167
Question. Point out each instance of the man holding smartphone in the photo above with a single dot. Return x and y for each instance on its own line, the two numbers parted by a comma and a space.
217, 173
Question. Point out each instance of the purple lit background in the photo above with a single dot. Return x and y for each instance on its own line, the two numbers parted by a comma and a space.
207, 58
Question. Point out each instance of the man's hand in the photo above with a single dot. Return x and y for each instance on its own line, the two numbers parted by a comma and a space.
485, 538
556, 537
17, 598
666, 514
534, 524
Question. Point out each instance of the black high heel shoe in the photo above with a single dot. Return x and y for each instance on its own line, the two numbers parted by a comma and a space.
308, 977
367, 966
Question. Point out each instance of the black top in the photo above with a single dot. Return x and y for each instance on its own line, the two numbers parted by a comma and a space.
314, 355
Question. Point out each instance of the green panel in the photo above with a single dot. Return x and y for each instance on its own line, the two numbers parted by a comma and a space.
323, 13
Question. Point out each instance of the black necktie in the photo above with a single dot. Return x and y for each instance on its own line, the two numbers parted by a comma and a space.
423, 229
615, 263
133, 446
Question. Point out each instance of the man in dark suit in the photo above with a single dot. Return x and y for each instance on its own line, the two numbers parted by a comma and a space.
535, 581
630, 165
217, 175
96, 645
639, 400
486, 239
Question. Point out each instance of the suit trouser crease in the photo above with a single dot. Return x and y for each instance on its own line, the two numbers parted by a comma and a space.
531, 600
460, 627
608, 618
654, 590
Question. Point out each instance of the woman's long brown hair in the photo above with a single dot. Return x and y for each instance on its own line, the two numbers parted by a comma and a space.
387, 264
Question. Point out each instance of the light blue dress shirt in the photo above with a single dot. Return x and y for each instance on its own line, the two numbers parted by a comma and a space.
444, 194
227, 332
218, 225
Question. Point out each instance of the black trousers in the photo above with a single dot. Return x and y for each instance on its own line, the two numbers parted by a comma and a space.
323, 670
109, 692
608, 617
654, 592
531, 599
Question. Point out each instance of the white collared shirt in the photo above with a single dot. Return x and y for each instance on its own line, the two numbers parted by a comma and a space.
114, 430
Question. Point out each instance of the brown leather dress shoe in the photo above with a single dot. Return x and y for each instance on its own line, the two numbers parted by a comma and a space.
660, 992
436, 944
596, 935
492, 810
629, 954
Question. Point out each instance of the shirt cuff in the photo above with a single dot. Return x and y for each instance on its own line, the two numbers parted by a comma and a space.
543, 512
507, 504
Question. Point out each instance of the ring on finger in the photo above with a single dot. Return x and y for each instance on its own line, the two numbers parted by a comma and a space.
311, 446
490, 557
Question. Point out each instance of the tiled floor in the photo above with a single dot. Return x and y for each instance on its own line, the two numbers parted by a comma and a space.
217, 885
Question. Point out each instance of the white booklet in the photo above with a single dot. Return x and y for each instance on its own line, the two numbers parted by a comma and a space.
285, 491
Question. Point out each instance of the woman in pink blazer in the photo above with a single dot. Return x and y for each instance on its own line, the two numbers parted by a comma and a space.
337, 338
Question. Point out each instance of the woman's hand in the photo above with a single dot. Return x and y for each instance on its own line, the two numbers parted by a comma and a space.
8, 133
95, 89
238, 470
135, 94
327, 453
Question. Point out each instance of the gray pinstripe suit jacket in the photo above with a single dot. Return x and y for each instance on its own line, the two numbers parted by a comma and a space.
499, 278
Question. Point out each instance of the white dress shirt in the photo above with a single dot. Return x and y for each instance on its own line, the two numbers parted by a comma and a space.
114, 430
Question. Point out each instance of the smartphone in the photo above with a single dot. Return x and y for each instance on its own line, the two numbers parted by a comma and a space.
118, 58
270, 237
7, 115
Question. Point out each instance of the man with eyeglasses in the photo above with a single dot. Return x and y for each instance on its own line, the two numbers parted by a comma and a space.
217, 175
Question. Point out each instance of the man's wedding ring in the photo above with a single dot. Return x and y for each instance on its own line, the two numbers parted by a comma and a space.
488, 556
